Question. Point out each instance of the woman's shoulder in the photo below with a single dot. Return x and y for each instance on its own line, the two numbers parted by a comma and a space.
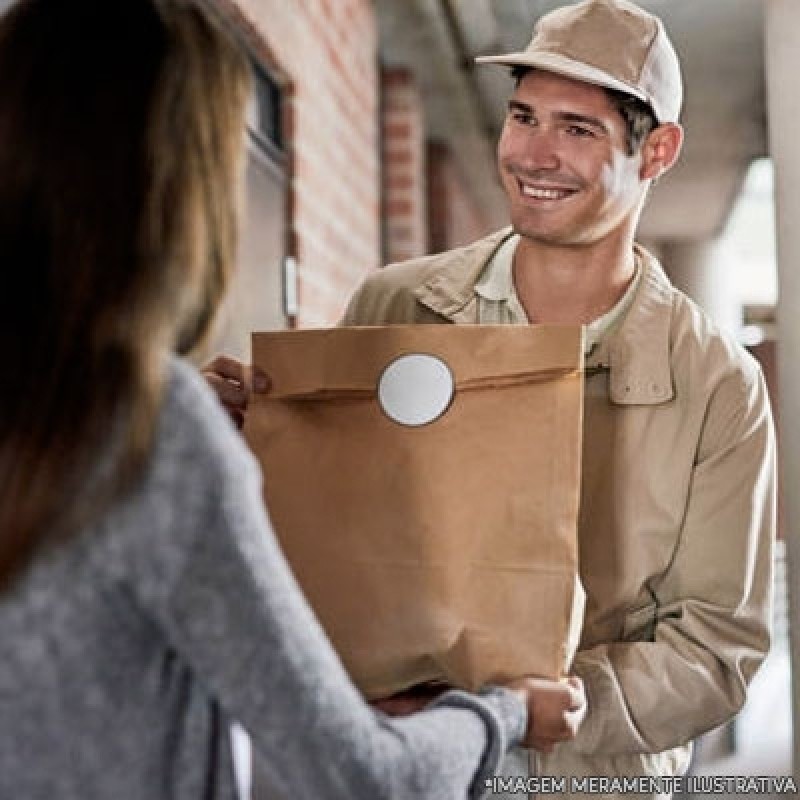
197, 456
198, 470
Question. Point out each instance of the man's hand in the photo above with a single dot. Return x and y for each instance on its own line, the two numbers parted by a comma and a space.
233, 383
410, 700
556, 710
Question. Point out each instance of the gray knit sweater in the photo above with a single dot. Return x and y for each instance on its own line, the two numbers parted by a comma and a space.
125, 653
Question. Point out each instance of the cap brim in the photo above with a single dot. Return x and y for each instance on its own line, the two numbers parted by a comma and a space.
561, 65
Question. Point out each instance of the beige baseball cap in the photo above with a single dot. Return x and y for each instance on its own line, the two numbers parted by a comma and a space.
611, 43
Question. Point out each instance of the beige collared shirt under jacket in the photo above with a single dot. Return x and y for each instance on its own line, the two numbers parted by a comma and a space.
498, 303
677, 511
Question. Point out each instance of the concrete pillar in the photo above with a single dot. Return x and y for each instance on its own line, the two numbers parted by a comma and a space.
698, 269
782, 35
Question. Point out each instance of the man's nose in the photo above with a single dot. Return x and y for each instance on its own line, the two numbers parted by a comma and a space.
539, 150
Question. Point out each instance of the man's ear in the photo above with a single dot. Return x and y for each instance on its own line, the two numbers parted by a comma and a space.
660, 150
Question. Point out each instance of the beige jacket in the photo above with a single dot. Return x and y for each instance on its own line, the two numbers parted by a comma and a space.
677, 519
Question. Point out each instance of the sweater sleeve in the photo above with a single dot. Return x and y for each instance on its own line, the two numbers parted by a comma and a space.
235, 613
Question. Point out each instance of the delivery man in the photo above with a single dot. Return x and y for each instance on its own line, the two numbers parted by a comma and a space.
677, 514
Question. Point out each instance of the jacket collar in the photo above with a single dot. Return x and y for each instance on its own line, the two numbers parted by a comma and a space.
637, 353
450, 291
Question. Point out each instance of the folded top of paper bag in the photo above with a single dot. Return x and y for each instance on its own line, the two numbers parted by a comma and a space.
362, 355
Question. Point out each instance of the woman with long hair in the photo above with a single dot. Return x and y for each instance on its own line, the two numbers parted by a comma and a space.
144, 603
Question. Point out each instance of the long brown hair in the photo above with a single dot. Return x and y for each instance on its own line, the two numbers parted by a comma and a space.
121, 133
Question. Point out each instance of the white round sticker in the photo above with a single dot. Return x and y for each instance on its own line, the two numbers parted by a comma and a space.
416, 389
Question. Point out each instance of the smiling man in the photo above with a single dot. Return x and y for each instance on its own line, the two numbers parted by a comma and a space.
677, 515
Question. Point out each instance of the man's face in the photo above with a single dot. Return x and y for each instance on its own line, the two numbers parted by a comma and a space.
564, 164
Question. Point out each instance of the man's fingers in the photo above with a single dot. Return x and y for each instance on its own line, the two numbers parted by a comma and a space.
401, 705
577, 695
260, 380
576, 718
228, 368
232, 395
233, 382
250, 378
410, 700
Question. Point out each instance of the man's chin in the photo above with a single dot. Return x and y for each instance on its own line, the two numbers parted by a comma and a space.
540, 236
554, 236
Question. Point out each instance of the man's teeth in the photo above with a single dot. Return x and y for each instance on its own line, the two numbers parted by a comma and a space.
544, 194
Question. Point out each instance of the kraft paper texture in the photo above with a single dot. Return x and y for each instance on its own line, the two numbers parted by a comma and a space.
446, 551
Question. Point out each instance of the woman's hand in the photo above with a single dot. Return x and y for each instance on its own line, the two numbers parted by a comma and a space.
556, 710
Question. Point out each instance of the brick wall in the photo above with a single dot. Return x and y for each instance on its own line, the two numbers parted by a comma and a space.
427, 206
455, 219
326, 53
365, 186
404, 178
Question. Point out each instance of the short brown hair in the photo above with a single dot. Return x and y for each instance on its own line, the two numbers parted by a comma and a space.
638, 116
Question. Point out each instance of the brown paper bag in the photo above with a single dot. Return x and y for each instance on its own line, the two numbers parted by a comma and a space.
439, 551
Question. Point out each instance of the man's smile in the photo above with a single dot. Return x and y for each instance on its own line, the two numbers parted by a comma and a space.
545, 192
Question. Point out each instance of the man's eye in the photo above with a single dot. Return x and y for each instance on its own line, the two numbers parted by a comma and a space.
579, 130
522, 117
